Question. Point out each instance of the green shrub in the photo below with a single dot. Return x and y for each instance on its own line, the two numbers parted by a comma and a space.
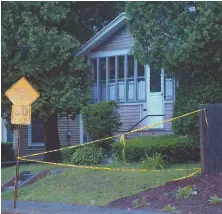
154, 162
101, 120
185, 192
7, 152
215, 200
187, 100
87, 155
66, 154
174, 148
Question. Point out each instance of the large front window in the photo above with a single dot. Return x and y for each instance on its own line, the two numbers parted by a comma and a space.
119, 78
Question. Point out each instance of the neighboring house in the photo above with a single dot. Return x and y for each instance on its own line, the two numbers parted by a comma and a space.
139, 89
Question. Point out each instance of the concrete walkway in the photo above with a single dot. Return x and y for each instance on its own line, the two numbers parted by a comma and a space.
28, 207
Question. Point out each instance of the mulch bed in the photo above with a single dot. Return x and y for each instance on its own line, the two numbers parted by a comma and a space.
158, 197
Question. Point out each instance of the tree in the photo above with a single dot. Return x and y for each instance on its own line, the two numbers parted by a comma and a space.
38, 39
187, 43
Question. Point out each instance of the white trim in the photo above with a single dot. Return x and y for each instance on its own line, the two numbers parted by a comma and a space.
30, 138
169, 101
109, 53
80, 129
102, 35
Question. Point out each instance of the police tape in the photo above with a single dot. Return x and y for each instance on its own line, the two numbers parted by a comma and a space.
120, 135
107, 168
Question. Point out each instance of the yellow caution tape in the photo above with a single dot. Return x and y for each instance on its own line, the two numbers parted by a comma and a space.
108, 138
104, 168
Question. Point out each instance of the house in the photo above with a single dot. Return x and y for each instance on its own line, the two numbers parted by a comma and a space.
143, 92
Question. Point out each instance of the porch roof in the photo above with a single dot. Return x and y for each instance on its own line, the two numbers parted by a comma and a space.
102, 35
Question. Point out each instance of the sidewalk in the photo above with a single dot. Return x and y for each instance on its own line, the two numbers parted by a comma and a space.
28, 207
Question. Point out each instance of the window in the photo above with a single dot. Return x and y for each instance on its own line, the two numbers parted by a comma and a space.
7, 133
121, 78
36, 132
130, 79
141, 85
102, 74
155, 79
169, 86
120, 73
93, 68
112, 85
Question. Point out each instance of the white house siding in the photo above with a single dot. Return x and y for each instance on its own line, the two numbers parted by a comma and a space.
120, 40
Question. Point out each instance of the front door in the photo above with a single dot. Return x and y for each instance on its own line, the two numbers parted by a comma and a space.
156, 99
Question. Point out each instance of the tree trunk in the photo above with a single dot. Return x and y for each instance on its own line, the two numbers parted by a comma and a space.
52, 139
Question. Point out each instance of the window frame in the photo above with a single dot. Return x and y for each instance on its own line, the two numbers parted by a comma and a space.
117, 54
30, 143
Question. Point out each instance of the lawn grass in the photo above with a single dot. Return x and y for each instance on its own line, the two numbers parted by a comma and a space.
80, 186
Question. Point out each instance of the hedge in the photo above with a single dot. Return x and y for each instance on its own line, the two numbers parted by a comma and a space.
174, 148
7, 152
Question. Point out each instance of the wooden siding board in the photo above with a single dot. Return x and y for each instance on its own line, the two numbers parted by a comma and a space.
65, 124
122, 39
168, 115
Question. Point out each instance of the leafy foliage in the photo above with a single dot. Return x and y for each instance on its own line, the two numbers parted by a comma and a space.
173, 148
185, 192
197, 95
187, 45
38, 41
153, 162
168, 208
87, 155
215, 200
101, 120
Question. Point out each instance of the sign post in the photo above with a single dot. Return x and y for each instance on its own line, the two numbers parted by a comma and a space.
22, 95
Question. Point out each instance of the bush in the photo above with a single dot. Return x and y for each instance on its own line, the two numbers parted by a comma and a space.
66, 154
87, 155
101, 120
154, 162
7, 152
184, 104
174, 148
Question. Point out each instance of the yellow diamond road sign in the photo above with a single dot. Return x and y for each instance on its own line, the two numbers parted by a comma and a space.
21, 115
22, 93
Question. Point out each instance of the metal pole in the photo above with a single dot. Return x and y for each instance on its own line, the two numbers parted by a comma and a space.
17, 167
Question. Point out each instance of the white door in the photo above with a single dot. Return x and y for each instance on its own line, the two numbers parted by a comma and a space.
156, 98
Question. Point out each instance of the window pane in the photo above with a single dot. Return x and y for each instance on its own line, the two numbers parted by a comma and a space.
141, 89
140, 71
169, 88
102, 68
112, 68
9, 135
112, 91
130, 90
120, 90
93, 69
37, 131
120, 67
103, 90
130, 61
155, 79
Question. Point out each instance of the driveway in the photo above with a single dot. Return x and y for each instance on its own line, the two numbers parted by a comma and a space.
29, 207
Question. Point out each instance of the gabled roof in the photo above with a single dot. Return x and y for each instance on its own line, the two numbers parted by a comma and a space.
102, 35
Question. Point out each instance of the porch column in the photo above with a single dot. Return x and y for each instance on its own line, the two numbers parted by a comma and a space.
135, 79
125, 77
